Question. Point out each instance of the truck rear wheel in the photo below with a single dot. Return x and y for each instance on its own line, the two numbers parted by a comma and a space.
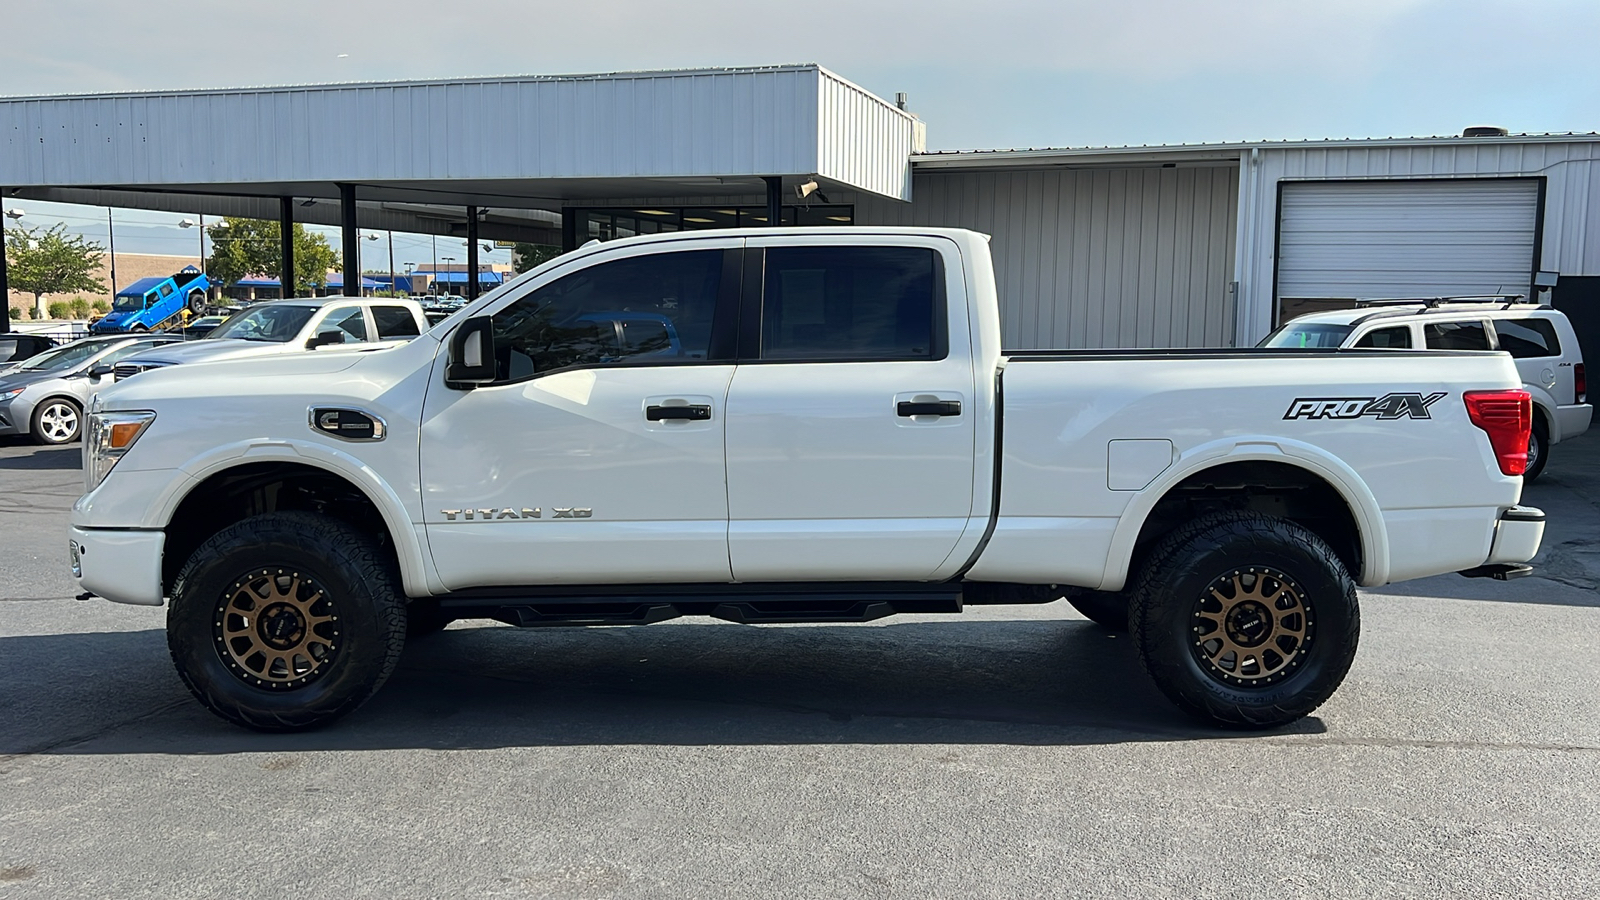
197, 302
1245, 620
1538, 449
285, 621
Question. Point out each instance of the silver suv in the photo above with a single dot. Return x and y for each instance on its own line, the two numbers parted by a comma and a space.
1539, 338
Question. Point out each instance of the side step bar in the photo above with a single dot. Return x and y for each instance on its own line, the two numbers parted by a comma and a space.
1498, 571
746, 605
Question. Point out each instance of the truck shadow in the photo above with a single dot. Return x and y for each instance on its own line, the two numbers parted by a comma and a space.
1029, 682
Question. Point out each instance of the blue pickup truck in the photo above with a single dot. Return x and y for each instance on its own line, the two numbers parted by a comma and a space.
150, 303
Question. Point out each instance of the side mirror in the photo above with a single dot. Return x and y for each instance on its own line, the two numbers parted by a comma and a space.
325, 338
471, 359
100, 371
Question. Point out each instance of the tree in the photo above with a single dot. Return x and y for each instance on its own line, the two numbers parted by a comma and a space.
52, 262
245, 247
528, 256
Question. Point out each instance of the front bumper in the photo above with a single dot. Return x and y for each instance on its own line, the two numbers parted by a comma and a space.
1517, 535
8, 417
119, 564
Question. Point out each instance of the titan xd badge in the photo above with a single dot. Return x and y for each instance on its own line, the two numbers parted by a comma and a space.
558, 512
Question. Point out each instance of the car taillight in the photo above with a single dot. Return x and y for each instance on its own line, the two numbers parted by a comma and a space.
1580, 384
1507, 417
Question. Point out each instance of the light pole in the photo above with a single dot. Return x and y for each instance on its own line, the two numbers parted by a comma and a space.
447, 261
393, 288
185, 223
372, 237
111, 240
433, 278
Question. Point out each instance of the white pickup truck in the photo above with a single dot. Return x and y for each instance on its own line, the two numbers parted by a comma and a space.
788, 425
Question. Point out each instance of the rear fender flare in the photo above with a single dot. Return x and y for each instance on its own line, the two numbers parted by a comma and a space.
1363, 506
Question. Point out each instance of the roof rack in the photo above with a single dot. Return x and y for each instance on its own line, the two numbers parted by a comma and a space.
1507, 300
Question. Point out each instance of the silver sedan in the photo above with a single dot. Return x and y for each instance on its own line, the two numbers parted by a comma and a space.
45, 397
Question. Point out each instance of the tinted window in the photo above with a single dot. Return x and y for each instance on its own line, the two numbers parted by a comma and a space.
166, 290
1306, 335
1455, 336
1525, 338
1386, 338
8, 350
394, 322
127, 350
849, 303
264, 323
657, 307
348, 319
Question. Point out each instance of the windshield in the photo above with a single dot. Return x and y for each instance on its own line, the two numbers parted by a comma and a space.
129, 303
264, 323
64, 357
1308, 334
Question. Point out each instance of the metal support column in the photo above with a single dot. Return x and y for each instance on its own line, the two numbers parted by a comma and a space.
5, 284
774, 200
286, 279
472, 253
352, 240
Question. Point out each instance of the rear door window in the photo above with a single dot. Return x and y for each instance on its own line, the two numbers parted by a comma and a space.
1456, 336
351, 320
1386, 339
851, 303
394, 322
1528, 338
8, 350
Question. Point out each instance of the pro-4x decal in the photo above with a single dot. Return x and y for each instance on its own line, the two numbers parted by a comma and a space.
1396, 405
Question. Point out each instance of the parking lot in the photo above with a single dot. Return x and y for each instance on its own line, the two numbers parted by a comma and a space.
1006, 752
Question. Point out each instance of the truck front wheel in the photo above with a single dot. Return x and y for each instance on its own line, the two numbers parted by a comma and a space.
285, 621
1245, 620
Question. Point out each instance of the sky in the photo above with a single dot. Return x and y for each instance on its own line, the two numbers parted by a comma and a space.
1023, 73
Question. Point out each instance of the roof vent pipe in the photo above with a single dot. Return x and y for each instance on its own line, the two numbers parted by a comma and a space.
900, 99
1485, 131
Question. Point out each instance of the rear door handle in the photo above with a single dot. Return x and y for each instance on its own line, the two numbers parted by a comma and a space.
691, 413
929, 408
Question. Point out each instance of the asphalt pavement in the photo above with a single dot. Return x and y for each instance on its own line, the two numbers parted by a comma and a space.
1006, 752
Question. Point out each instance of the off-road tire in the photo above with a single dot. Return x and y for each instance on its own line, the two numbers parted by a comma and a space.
196, 302
358, 580
424, 617
1182, 570
1538, 449
43, 432
1108, 609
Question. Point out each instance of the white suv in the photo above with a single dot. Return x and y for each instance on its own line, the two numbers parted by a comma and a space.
1539, 338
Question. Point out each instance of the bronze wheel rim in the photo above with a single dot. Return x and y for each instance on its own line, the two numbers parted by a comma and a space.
1252, 627
276, 628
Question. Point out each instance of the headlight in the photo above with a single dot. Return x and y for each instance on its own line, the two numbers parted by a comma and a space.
111, 434
12, 394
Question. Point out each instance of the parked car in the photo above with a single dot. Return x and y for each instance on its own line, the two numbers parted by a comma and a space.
838, 437
293, 326
1539, 338
16, 347
199, 328
45, 396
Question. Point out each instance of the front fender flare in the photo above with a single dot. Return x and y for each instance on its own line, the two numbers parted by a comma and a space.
415, 572
1363, 506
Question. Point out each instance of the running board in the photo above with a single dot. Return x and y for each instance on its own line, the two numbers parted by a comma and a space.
1498, 571
746, 605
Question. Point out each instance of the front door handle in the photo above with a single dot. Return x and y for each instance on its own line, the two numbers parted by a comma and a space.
929, 408
690, 413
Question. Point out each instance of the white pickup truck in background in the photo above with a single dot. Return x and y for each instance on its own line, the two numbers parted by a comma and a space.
787, 425
292, 326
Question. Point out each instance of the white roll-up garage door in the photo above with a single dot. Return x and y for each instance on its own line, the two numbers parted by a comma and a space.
1341, 240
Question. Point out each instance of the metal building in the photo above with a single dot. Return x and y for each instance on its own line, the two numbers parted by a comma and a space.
1174, 246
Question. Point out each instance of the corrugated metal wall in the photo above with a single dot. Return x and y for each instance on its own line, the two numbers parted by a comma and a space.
1126, 257
1571, 240
862, 140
